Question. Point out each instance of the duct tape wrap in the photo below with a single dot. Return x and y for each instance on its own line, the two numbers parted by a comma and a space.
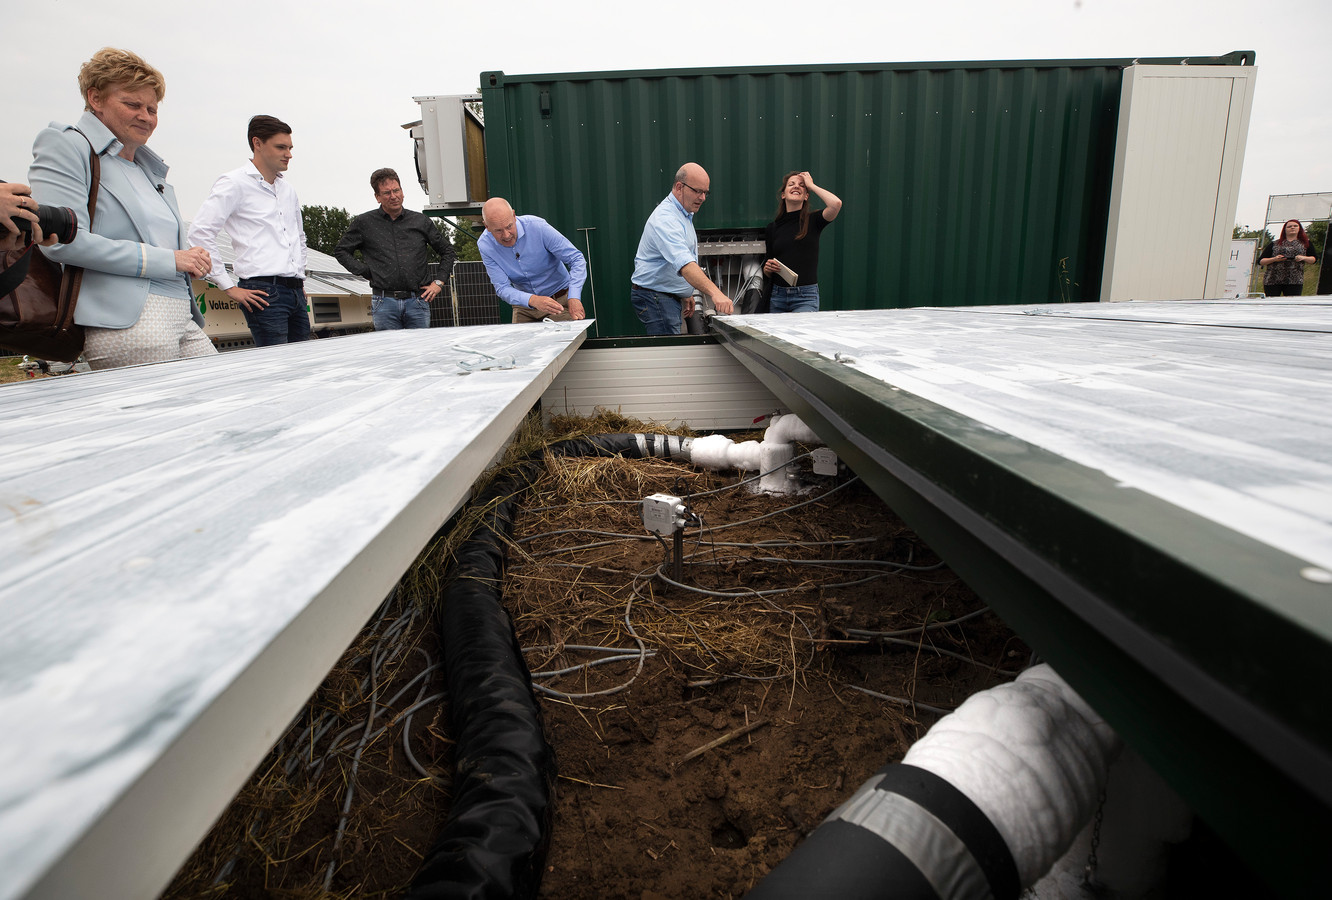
662, 446
907, 834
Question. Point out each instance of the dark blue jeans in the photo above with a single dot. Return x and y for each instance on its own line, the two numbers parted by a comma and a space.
391, 314
660, 313
283, 321
801, 298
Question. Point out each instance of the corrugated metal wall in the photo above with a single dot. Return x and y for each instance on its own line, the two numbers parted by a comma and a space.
964, 183
665, 380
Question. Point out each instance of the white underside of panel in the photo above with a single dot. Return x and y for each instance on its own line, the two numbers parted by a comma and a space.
189, 546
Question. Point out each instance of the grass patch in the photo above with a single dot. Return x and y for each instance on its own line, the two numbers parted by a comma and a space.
10, 371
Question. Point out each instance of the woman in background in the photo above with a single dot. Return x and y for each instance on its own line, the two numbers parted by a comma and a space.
1284, 259
793, 238
136, 302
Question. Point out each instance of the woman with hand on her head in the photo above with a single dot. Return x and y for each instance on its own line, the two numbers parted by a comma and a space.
793, 238
136, 301
1284, 259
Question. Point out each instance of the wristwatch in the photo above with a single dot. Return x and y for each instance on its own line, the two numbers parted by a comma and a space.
437, 283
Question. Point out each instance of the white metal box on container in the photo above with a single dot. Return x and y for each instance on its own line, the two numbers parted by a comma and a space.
1178, 158
451, 151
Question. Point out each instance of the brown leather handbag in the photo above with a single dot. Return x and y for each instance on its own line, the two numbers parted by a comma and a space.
37, 297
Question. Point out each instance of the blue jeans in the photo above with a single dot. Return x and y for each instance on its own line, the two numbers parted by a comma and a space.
660, 313
283, 321
391, 314
801, 298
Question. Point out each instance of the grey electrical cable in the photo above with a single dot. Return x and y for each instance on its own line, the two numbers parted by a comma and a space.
785, 509
351, 787
903, 701
643, 653
930, 626
942, 652
552, 673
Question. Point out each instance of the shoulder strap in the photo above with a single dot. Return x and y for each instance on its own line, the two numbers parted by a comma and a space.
96, 178
17, 270
73, 275
12, 276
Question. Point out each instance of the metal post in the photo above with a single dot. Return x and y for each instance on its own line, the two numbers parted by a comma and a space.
591, 286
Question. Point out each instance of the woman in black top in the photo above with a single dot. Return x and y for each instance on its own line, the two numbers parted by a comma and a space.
1284, 259
793, 239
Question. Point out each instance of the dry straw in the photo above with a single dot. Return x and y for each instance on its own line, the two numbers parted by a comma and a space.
344, 806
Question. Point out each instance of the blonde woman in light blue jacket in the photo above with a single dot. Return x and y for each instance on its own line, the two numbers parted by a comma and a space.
136, 302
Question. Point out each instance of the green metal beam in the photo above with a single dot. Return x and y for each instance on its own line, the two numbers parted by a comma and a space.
1163, 621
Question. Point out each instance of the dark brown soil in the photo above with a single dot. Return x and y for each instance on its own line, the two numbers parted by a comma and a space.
796, 698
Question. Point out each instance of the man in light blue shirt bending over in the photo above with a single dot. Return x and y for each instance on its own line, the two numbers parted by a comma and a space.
666, 269
532, 266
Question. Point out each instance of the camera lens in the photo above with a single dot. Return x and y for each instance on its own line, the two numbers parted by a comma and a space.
58, 220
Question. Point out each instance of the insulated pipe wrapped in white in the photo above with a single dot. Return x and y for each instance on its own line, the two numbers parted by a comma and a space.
773, 458
770, 457
980, 807
1032, 755
1131, 837
784, 429
717, 451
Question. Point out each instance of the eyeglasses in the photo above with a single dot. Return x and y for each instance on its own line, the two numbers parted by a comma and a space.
703, 194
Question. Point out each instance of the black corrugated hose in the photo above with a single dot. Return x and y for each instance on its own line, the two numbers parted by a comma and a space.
494, 843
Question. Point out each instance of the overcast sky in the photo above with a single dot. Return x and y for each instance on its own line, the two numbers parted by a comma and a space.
343, 73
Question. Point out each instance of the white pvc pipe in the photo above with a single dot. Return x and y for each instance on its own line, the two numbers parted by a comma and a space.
717, 452
773, 457
784, 429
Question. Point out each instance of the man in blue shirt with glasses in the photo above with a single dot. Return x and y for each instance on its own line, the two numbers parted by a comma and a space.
532, 266
666, 269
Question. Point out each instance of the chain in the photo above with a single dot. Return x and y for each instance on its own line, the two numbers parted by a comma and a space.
1089, 873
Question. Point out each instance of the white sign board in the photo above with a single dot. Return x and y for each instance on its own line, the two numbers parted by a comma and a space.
1305, 207
1239, 271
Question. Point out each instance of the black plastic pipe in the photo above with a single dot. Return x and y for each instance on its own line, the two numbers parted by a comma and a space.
494, 842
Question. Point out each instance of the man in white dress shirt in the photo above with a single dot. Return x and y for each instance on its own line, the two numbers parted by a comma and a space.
259, 209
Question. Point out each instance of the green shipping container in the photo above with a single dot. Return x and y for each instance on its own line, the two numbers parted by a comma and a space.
964, 183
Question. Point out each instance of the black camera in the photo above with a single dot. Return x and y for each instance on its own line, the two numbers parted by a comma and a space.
61, 221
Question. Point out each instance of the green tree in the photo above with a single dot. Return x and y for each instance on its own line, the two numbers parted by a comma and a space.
461, 234
1317, 232
464, 240
324, 226
1244, 232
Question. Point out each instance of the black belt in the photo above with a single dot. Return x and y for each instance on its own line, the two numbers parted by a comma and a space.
297, 284
397, 295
